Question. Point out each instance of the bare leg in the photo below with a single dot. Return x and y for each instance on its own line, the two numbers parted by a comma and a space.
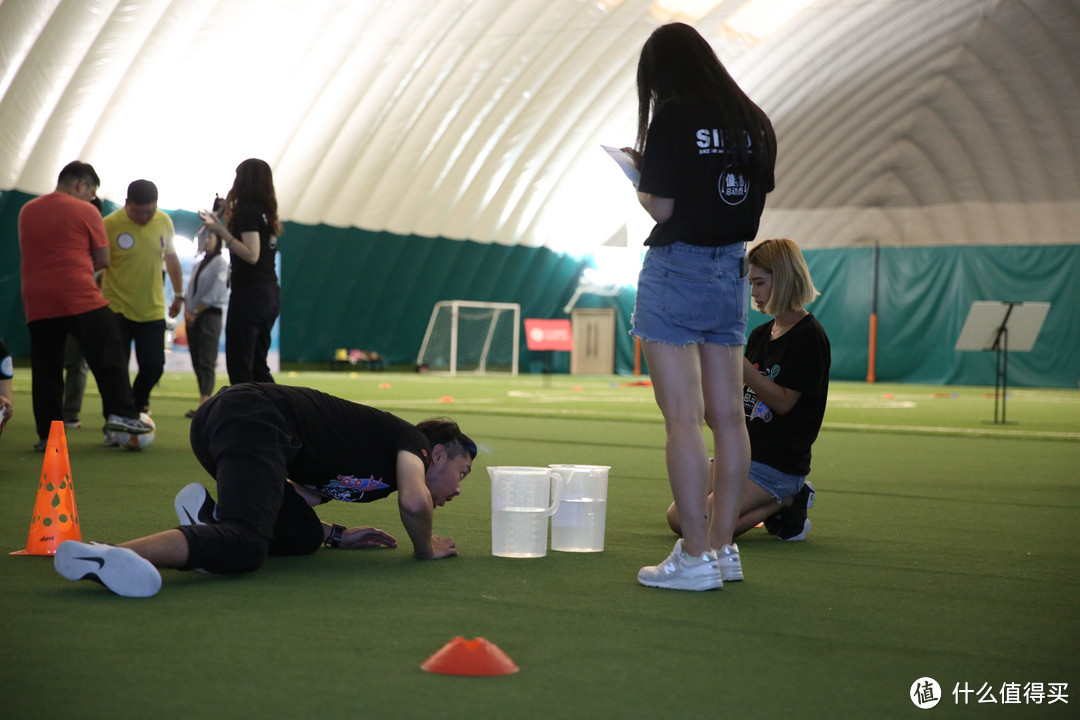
721, 375
757, 504
676, 376
168, 549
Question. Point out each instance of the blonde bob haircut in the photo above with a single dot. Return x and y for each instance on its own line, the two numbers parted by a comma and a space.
792, 288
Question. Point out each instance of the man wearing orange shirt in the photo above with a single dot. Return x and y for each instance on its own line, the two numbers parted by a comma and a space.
62, 242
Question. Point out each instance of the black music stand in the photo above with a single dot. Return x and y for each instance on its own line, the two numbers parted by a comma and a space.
1001, 327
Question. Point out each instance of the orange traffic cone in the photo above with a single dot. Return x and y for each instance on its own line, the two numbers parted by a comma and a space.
470, 657
55, 518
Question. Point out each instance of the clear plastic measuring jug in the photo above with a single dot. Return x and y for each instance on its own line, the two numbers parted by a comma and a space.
520, 510
578, 524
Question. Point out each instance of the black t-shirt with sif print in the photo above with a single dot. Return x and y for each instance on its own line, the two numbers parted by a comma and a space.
688, 159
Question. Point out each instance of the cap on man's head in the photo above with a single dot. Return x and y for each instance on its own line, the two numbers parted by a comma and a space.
142, 192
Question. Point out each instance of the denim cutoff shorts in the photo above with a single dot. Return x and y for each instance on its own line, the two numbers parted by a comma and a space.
689, 294
779, 484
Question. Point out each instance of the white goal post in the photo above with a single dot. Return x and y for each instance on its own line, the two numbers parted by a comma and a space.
465, 336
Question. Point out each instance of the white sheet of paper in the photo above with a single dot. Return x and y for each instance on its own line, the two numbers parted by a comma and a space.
625, 162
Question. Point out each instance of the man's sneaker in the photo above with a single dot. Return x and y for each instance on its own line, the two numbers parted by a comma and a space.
72, 424
109, 440
134, 426
684, 572
795, 525
730, 564
194, 506
123, 571
41, 444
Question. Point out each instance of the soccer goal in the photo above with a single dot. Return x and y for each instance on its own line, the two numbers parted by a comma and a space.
464, 336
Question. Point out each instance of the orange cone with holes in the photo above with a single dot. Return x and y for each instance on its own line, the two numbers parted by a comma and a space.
470, 657
55, 518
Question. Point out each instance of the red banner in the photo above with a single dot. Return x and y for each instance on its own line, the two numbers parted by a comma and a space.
548, 334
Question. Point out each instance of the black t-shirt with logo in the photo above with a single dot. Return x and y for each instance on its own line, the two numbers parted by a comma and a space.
797, 360
686, 158
253, 217
347, 451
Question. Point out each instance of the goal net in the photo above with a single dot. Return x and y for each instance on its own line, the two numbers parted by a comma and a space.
464, 336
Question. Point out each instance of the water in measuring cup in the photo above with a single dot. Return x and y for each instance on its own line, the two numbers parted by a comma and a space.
578, 526
519, 532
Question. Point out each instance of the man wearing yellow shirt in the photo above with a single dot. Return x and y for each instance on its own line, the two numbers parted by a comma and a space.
140, 245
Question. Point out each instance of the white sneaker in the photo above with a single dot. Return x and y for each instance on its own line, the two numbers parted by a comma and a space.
134, 426
799, 536
123, 571
730, 564
194, 506
684, 572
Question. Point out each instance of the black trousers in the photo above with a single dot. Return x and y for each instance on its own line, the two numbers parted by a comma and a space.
244, 441
149, 338
252, 312
203, 337
101, 344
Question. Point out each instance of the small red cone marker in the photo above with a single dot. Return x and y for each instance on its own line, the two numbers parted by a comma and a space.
470, 657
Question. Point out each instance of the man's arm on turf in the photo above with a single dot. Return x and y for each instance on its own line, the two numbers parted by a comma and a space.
417, 510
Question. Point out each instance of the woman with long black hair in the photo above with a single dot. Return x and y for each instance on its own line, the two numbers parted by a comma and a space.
250, 232
706, 154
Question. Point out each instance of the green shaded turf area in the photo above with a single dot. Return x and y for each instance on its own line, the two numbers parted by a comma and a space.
943, 545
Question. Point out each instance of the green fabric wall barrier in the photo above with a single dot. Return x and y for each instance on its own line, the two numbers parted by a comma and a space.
375, 290
12, 321
924, 295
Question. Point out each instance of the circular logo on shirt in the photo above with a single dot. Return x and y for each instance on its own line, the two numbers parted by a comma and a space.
126, 241
733, 187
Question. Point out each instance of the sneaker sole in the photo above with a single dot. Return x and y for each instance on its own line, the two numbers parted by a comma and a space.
701, 583
699, 586
119, 569
731, 574
193, 497
189, 504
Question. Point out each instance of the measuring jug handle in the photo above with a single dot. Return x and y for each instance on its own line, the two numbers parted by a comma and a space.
556, 492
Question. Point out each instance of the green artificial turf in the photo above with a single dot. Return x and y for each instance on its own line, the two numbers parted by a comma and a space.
943, 545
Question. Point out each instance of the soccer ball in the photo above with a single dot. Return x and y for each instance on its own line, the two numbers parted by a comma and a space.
137, 442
